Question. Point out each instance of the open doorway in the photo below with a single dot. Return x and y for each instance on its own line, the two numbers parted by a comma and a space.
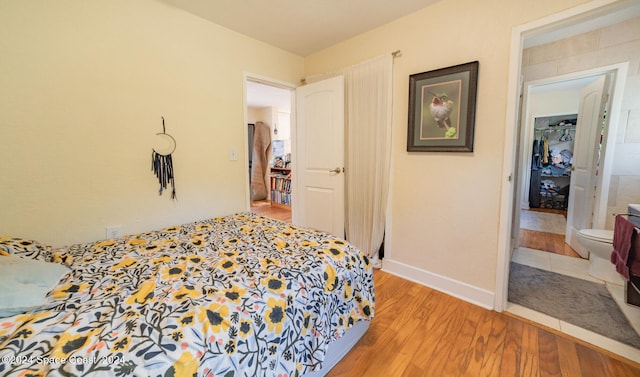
597, 215
571, 114
268, 115
553, 118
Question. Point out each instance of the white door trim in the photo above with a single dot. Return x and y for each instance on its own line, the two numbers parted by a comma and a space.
619, 72
609, 143
514, 90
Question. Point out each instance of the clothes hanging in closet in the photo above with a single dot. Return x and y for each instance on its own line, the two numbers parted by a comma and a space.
536, 176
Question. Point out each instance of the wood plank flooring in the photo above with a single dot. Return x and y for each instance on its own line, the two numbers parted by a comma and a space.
551, 242
544, 241
418, 331
264, 208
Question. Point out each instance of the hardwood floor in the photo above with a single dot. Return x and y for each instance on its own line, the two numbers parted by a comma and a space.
544, 241
418, 331
264, 208
551, 242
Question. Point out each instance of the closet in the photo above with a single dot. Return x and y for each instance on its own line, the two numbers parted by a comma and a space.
551, 163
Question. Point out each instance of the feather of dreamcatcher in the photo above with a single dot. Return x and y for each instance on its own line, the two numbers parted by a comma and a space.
162, 165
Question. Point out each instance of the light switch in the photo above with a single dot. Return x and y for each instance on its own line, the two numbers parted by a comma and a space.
233, 154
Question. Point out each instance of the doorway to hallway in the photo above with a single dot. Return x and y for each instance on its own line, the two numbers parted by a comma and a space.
268, 116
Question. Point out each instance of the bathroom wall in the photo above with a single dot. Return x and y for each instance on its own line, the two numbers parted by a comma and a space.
610, 45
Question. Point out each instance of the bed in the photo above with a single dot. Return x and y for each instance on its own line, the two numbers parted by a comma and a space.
241, 295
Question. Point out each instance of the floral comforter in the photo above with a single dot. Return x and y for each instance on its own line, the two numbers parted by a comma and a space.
241, 295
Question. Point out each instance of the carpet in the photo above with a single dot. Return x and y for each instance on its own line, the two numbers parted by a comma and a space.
543, 221
579, 302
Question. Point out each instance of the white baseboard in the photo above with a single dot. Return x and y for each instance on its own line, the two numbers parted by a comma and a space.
455, 288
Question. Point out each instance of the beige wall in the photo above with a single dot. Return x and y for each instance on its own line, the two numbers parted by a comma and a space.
611, 45
445, 206
83, 85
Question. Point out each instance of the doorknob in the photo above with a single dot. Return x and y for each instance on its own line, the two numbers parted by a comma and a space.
336, 170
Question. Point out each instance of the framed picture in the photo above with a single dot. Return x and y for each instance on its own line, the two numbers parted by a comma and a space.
442, 107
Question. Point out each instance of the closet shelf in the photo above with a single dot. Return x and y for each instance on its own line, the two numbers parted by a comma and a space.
556, 128
552, 156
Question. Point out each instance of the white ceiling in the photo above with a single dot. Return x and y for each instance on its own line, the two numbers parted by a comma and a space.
599, 18
301, 26
304, 27
261, 95
567, 85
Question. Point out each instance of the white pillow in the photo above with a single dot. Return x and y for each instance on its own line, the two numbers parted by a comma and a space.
24, 283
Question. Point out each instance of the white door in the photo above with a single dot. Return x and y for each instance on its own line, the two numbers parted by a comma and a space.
583, 177
319, 156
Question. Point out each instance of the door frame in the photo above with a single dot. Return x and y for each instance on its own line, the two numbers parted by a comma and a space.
508, 197
248, 76
527, 129
603, 179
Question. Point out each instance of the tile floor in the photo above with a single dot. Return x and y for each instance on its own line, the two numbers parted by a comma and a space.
576, 268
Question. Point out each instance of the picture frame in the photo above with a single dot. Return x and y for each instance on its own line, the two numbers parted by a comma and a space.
442, 107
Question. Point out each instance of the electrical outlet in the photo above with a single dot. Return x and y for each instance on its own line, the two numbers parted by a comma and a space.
114, 231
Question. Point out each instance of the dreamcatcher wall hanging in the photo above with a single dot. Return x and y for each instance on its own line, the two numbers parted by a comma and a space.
161, 161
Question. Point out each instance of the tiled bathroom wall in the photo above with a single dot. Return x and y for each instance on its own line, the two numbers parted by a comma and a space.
610, 45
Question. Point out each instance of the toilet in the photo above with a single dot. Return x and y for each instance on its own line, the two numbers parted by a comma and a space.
599, 242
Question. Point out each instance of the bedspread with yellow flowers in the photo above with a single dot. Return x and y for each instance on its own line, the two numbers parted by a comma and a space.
241, 295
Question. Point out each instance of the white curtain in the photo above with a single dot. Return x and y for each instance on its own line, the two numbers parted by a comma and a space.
368, 97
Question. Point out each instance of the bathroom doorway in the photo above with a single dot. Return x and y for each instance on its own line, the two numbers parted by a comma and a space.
549, 127
532, 35
554, 111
